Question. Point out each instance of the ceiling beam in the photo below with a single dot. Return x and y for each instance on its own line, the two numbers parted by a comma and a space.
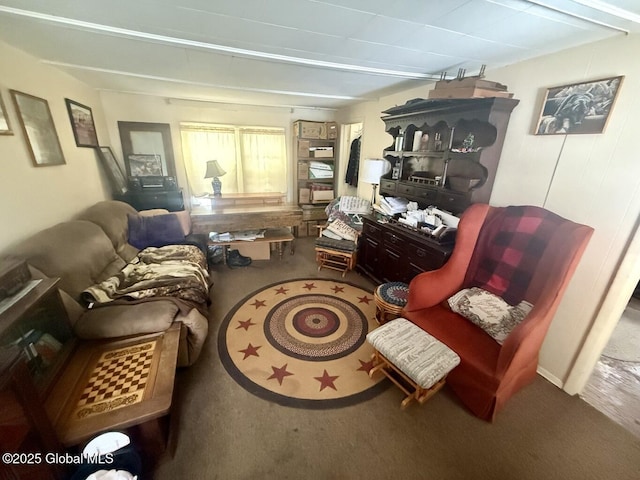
579, 17
200, 84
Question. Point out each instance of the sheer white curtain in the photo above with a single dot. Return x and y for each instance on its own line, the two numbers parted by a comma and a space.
254, 158
263, 155
201, 143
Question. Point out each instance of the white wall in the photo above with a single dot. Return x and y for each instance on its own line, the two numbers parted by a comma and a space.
139, 108
33, 198
597, 182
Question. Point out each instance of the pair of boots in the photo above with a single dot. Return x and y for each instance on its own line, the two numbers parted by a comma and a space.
234, 259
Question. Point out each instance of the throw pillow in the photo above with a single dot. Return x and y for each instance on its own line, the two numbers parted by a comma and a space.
183, 216
489, 312
343, 230
154, 231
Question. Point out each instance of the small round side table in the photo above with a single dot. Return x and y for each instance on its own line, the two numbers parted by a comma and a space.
390, 299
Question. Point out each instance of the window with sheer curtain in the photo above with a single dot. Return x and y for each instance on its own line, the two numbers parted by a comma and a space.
254, 158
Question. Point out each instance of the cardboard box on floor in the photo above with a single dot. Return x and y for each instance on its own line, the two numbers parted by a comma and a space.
255, 250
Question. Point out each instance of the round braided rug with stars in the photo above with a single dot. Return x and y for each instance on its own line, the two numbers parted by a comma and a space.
302, 343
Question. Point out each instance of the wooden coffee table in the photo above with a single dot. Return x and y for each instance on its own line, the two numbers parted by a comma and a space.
114, 385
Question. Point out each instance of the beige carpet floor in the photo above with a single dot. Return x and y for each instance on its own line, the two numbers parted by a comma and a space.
221, 431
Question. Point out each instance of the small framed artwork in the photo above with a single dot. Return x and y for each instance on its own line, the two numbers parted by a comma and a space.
5, 129
578, 107
39, 129
84, 130
114, 171
144, 165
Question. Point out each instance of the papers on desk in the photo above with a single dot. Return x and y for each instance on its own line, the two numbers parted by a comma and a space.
393, 205
246, 236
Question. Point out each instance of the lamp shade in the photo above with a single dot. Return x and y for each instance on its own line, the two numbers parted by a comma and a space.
214, 169
373, 169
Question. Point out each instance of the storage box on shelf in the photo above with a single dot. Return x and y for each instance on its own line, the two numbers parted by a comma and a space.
445, 152
469, 87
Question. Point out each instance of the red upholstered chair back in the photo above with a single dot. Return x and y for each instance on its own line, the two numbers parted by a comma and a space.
510, 245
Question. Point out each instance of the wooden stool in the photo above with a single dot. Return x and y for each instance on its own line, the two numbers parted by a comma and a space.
335, 254
390, 299
411, 358
335, 259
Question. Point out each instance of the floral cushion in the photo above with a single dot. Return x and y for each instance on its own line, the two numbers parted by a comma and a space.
489, 312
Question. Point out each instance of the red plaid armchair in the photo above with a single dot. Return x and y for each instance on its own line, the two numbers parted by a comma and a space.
521, 253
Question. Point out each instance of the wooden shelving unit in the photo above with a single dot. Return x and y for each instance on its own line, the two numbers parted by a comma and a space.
316, 162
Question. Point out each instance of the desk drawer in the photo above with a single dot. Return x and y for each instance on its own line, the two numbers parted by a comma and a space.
404, 189
372, 230
388, 185
396, 242
425, 258
454, 202
425, 195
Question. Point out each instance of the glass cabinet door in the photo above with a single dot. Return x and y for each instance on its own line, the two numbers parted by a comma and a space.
38, 325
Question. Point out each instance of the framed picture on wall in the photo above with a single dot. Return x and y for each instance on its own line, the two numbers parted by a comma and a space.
114, 172
578, 107
39, 129
84, 130
5, 129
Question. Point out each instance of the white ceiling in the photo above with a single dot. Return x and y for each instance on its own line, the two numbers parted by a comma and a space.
314, 53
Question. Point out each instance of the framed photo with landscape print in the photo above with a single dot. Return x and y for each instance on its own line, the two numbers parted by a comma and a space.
39, 129
84, 130
578, 107
145, 165
5, 129
114, 172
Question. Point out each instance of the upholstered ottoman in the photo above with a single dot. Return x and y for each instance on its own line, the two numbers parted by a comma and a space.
411, 358
390, 298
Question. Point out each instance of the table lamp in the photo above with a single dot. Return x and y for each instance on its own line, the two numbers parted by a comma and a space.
372, 170
214, 170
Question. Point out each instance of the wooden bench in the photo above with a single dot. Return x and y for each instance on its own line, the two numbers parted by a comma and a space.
245, 217
278, 236
237, 199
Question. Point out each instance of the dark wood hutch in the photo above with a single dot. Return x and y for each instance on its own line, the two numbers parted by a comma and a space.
450, 163
456, 161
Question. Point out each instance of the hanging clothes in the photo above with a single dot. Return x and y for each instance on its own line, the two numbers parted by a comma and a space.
351, 176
